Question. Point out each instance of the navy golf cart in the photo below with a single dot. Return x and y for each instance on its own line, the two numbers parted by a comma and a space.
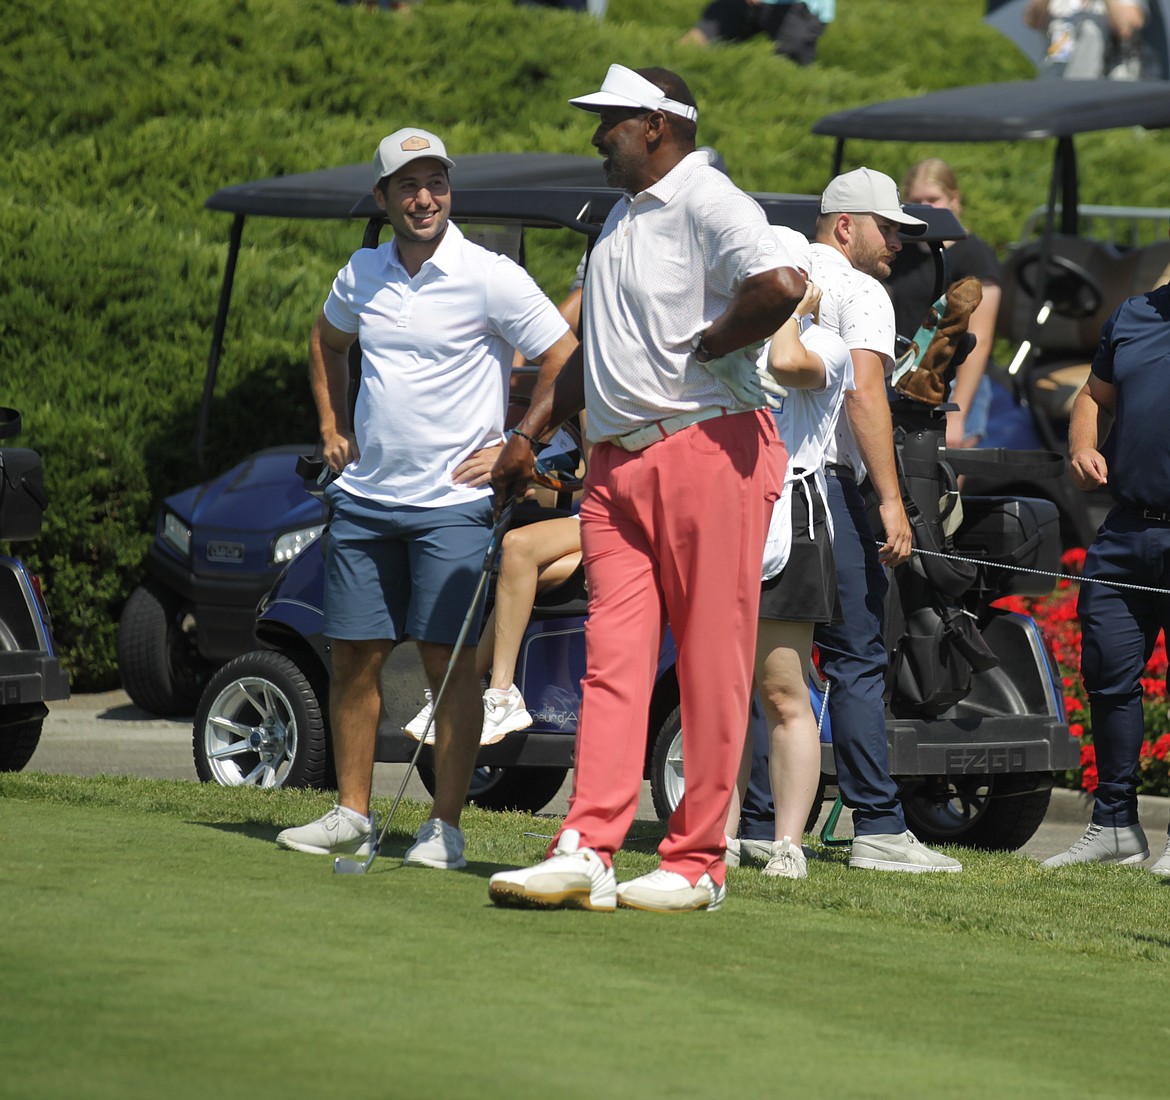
975, 734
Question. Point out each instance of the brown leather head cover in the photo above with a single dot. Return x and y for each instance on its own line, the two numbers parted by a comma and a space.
926, 382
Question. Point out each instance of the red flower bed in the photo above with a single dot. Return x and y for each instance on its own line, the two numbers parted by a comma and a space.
1056, 615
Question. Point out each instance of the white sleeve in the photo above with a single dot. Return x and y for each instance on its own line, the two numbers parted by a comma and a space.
866, 319
339, 308
520, 312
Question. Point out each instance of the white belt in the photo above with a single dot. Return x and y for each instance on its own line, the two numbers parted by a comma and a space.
640, 438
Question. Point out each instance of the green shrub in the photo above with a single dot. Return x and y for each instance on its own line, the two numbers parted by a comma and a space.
122, 116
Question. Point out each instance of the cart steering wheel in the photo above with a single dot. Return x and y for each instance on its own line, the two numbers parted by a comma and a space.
1073, 292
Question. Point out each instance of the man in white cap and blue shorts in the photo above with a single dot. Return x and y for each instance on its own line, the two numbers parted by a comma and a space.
438, 320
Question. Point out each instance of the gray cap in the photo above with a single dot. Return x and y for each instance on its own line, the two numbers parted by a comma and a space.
864, 191
403, 146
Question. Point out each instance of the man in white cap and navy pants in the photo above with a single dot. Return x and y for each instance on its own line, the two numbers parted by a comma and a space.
856, 241
438, 320
685, 274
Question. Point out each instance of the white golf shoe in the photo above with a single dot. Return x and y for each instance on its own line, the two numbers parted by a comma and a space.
1105, 844
573, 877
669, 892
898, 852
341, 831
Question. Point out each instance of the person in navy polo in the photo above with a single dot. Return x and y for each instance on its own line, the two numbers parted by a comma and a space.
1123, 411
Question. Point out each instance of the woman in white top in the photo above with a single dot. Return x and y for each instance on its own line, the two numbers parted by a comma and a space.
800, 580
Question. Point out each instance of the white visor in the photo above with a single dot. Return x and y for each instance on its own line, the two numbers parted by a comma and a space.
623, 87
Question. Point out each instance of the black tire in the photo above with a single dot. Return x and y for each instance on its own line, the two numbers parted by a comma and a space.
666, 772
666, 777
998, 813
18, 742
262, 721
161, 670
524, 790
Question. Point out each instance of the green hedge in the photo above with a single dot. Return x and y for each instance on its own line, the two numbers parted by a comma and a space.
122, 116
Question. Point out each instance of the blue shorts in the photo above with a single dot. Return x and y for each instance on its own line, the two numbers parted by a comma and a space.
396, 572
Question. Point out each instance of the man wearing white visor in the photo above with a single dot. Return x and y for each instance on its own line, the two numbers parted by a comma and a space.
685, 278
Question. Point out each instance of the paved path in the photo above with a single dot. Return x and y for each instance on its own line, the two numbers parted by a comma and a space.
106, 734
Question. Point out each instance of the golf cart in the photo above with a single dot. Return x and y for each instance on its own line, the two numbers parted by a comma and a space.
1072, 267
30, 673
977, 763
219, 546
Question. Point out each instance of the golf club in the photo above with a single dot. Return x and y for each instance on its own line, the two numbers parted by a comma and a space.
559, 473
345, 866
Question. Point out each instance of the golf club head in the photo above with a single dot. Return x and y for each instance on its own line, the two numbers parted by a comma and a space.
558, 472
345, 866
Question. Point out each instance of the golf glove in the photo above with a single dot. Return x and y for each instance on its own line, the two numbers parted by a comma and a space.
751, 384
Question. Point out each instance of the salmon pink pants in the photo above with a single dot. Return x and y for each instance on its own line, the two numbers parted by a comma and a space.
674, 532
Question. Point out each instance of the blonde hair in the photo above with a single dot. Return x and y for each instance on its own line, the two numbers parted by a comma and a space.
932, 170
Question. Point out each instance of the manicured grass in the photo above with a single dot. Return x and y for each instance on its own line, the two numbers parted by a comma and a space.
156, 943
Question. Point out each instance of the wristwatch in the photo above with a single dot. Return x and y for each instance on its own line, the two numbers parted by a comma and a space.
699, 349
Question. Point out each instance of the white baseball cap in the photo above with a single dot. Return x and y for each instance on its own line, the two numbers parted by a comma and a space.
623, 87
864, 191
405, 145
796, 245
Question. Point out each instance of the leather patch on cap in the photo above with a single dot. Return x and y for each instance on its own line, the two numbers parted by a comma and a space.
413, 143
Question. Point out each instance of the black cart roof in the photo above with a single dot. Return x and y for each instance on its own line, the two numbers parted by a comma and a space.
1011, 111
334, 192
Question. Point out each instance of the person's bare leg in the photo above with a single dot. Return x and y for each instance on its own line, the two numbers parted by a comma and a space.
694, 37
783, 655
458, 725
355, 708
532, 559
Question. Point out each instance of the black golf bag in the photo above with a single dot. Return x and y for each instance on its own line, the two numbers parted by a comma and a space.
938, 644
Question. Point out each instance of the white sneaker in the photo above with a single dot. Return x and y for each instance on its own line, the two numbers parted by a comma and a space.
438, 845
755, 851
787, 860
503, 713
1105, 844
898, 852
341, 831
746, 850
668, 892
418, 723
571, 878
1162, 867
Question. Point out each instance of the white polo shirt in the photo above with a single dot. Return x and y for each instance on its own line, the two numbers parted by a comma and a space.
807, 418
805, 421
856, 307
436, 356
667, 263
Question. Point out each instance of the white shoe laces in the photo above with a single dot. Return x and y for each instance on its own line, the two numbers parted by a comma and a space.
1091, 834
